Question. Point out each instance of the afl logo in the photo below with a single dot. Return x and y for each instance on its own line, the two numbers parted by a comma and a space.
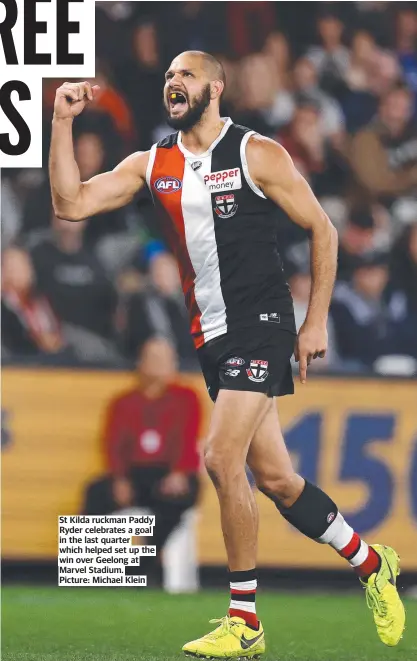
167, 184
235, 361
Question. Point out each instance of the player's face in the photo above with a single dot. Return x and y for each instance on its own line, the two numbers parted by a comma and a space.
187, 93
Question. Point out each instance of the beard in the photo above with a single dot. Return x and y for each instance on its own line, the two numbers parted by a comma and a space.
194, 113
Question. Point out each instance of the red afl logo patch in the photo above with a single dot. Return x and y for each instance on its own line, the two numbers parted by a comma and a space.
167, 185
331, 517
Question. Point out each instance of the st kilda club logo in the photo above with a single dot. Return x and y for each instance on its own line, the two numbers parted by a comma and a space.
257, 370
226, 206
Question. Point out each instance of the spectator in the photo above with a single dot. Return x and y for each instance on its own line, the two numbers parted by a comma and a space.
300, 285
231, 92
258, 84
380, 73
33, 190
249, 25
363, 56
29, 325
370, 318
311, 152
331, 116
159, 309
376, 18
113, 21
310, 103
73, 280
360, 102
89, 154
406, 46
144, 66
109, 101
357, 239
384, 74
331, 57
92, 157
304, 141
109, 117
384, 154
278, 48
11, 210
404, 265
306, 86
195, 25
150, 445
114, 234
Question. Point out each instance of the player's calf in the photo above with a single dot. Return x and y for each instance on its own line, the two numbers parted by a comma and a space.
317, 516
283, 490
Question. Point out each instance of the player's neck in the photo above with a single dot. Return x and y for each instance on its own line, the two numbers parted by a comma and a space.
198, 139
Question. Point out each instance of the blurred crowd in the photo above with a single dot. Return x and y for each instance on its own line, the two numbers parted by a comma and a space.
335, 83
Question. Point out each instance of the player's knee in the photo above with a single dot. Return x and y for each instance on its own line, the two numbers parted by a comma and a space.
214, 467
220, 469
278, 488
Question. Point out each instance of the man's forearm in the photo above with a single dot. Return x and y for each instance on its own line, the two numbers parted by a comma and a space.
323, 256
63, 171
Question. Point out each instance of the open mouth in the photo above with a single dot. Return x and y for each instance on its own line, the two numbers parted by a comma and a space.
177, 101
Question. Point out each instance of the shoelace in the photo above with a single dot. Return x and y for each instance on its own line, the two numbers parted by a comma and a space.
377, 603
226, 627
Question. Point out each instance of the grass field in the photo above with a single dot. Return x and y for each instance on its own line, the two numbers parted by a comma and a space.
101, 624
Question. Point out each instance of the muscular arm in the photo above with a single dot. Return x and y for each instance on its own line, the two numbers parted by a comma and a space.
273, 171
73, 199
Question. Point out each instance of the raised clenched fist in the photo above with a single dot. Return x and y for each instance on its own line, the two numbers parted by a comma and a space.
71, 99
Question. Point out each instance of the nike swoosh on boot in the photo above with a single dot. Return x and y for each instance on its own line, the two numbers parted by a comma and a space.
245, 643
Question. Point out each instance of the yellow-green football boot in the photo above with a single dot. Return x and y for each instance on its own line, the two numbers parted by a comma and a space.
232, 639
383, 599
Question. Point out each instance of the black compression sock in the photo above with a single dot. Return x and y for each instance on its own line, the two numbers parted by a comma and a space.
312, 512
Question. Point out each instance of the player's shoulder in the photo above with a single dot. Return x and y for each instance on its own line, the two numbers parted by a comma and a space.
263, 152
258, 143
168, 141
239, 129
135, 164
255, 138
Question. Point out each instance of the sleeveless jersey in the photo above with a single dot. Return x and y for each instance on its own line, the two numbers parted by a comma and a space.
223, 232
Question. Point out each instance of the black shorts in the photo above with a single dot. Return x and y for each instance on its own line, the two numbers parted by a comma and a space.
255, 359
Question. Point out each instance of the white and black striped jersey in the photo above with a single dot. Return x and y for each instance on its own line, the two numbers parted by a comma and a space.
223, 231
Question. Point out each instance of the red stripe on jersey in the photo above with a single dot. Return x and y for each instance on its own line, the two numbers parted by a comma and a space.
169, 163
